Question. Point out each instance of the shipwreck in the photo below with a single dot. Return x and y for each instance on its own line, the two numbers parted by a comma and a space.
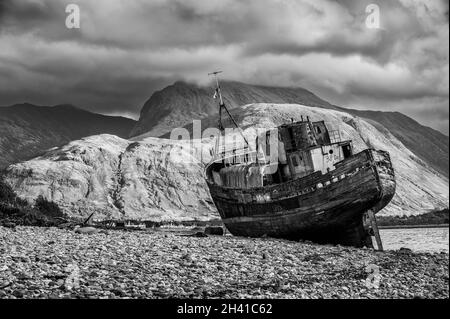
316, 190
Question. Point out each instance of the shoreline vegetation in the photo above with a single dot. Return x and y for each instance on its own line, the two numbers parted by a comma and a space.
414, 226
432, 219
17, 211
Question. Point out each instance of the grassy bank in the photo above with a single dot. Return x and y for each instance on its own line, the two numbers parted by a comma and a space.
414, 226
16, 211
431, 219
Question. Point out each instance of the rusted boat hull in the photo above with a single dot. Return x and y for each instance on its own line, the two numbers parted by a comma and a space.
325, 208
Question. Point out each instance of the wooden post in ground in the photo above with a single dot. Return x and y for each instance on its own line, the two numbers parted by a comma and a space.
374, 226
88, 220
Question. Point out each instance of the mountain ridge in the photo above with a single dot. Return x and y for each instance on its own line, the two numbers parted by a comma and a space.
27, 130
178, 104
415, 136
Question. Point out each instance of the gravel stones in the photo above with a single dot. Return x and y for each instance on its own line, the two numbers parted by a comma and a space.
152, 264
86, 230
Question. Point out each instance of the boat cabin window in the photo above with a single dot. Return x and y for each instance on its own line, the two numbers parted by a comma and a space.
347, 150
291, 133
268, 143
257, 144
318, 130
295, 160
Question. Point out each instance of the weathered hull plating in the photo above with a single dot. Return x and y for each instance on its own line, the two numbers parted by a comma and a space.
326, 208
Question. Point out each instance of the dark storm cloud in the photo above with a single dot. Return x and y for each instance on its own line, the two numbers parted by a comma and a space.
23, 15
27, 11
127, 49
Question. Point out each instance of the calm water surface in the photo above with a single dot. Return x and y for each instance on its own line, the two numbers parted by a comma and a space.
416, 239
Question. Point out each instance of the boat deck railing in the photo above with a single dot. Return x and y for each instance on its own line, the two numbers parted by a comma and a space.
236, 156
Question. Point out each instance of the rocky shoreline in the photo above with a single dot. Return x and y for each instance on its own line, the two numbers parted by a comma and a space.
38, 262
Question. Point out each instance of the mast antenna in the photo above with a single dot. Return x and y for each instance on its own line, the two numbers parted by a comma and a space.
217, 85
222, 106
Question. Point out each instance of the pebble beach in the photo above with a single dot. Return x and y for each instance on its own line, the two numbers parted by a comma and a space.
38, 262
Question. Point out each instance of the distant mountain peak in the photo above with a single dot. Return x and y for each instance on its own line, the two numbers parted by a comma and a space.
162, 112
24, 104
60, 106
68, 106
183, 83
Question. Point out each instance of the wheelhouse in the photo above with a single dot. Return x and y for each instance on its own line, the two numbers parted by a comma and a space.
301, 148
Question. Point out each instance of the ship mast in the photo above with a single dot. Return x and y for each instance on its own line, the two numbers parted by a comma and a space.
222, 106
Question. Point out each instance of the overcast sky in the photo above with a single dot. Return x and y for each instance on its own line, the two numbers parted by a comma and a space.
125, 50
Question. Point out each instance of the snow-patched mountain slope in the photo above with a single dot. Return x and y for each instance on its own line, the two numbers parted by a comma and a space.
159, 179
117, 179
